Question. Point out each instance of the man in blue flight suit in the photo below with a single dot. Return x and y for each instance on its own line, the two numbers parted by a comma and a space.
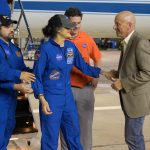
11, 57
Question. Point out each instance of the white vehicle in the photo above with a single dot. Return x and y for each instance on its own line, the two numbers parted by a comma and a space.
98, 19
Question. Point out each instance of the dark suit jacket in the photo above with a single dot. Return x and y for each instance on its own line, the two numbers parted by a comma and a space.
134, 72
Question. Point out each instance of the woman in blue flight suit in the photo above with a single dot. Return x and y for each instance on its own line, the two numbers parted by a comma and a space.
52, 85
11, 56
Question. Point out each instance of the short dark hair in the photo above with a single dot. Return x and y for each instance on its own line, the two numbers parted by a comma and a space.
72, 12
50, 30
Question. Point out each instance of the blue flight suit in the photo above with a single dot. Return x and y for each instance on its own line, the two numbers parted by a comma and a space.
11, 56
4, 8
5, 72
52, 72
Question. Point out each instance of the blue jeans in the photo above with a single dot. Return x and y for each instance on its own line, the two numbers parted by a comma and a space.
134, 133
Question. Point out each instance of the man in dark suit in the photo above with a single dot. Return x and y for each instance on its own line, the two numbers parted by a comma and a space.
132, 79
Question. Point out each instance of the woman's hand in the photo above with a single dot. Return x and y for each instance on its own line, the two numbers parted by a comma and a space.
45, 106
110, 75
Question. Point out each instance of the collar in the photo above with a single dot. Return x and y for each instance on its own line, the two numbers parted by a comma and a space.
52, 42
56, 44
78, 36
126, 40
3, 41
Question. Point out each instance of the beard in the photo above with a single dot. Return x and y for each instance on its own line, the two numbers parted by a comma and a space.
11, 36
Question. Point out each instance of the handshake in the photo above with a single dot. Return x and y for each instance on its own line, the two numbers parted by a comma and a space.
113, 76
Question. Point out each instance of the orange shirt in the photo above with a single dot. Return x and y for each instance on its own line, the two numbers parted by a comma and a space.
88, 50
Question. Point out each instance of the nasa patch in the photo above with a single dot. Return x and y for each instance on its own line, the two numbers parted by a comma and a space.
70, 56
84, 45
55, 75
59, 57
18, 53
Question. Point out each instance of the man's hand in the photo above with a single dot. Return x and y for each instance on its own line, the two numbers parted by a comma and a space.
45, 106
27, 77
23, 88
95, 82
116, 85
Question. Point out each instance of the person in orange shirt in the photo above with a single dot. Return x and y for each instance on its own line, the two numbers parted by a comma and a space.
82, 85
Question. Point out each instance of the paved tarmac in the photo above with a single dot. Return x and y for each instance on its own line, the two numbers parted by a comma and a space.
108, 126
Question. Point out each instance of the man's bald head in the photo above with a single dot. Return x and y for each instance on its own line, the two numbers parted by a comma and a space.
127, 16
124, 23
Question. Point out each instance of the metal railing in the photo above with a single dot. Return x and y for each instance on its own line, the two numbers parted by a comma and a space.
22, 15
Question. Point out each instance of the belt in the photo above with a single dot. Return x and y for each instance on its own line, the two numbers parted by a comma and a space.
76, 87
